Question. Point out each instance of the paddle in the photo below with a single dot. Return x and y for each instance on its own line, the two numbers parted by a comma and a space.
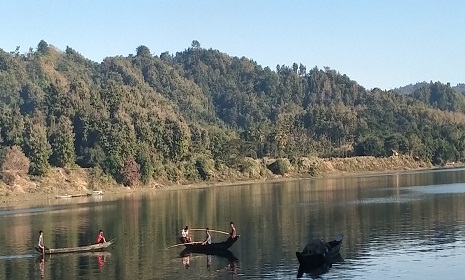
43, 246
180, 244
211, 230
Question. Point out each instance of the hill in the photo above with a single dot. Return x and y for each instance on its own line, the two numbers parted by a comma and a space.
201, 115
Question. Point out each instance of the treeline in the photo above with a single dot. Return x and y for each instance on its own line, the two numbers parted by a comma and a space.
184, 116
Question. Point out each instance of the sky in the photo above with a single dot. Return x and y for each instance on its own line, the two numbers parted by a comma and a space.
383, 44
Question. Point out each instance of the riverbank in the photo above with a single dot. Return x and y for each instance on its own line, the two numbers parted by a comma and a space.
74, 181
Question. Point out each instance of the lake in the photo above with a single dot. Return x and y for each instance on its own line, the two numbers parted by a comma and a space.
405, 225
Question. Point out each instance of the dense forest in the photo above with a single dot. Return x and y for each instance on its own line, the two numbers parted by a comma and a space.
182, 116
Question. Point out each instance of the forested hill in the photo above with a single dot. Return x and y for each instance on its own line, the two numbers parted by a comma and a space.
181, 116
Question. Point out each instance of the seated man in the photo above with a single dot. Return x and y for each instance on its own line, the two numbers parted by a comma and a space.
41, 242
185, 235
100, 237
208, 238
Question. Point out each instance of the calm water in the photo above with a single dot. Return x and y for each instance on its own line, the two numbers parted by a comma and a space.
401, 225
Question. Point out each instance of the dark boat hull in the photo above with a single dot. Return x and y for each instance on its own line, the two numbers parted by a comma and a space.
314, 270
211, 248
89, 248
314, 260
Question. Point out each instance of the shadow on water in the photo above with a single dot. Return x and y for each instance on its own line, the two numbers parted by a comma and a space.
233, 261
315, 271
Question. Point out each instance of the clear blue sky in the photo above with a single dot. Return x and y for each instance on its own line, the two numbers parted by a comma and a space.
378, 43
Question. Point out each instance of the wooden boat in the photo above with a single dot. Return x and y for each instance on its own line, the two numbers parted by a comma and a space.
73, 195
309, 259
63, 196
89, 248
316, 270
197, 247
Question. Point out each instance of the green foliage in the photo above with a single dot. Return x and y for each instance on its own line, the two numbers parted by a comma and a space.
130, 173
176, 140
143, 51
147, 164
204, 167
396, 142
62, 143
370, 145
179, 115
280, 166
36, 147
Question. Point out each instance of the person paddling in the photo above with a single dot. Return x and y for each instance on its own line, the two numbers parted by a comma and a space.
233, 233
208, 239
41, 242
100, 237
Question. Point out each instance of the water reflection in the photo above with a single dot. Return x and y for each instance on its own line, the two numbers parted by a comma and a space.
101, 259
391, 223
233, 261
314, 271
41, 262
186, 260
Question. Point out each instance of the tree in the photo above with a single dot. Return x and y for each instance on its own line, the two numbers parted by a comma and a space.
144, 157
396, 142
143, 51
130, 172
42, 47
62, 143
176, 140
369, 146
36, 147
195, 44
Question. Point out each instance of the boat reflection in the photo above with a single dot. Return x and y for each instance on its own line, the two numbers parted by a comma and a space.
101, 258
232, 260
41, 261
320, 269
186, 261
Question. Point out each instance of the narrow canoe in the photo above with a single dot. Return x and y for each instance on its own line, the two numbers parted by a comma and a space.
89, 248
197, 247
63, 196
73, 195
333, 248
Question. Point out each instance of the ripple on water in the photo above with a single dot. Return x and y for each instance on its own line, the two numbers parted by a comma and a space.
455, 188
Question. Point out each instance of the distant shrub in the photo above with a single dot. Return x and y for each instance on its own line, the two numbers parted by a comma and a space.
130, 173
280, 166
204, 168
15, 163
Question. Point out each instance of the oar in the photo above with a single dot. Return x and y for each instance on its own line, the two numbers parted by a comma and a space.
180, 244
212, 230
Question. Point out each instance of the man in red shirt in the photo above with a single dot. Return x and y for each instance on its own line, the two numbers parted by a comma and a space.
100, 237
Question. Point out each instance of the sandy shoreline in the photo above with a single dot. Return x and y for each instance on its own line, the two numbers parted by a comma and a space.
18, 198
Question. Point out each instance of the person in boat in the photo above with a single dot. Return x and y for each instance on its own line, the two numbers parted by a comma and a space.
185, 235
101, 237
41, 242
208, 237
233, 232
